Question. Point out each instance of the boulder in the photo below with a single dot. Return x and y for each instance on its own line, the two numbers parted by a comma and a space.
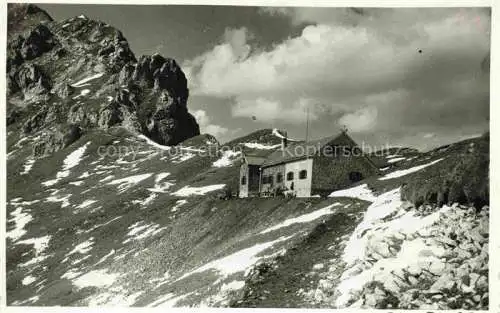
72, 133
443, 283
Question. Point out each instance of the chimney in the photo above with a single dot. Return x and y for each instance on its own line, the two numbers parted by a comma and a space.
284, 140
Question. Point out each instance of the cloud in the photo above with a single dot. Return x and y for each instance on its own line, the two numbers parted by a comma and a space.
266, 110
372, 69
362, 120
206, 126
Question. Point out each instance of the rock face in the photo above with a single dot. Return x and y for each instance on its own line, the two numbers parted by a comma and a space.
65, 78
465, 181
168, 121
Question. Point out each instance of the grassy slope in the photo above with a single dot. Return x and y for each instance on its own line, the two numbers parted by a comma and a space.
202, 230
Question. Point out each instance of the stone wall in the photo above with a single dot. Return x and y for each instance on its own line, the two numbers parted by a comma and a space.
332, 173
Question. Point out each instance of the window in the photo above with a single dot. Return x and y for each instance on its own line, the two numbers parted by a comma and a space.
289, 176
303, 174
267, 179
279, 178
244, 180
355, 176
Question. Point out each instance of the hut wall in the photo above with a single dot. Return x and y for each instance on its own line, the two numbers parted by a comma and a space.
333, 173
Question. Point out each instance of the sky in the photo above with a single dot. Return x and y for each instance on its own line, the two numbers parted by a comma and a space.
415, 77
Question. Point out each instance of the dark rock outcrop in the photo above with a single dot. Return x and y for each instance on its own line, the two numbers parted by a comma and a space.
38, 41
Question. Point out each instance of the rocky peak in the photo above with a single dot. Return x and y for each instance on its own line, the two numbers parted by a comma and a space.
158, 73
67, 77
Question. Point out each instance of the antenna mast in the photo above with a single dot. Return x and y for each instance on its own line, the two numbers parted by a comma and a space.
307, 122
307, 130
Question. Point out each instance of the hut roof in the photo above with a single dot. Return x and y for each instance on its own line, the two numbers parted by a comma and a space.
301, 150
255, 160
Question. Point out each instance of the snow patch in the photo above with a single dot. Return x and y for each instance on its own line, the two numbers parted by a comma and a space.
34, 261
28, 166
383, 206
97, 278
20, 220
141, 230
279, 135
238, 261
161, 187
411, 170
127, 182
84, 175
85, 80
71, 160
28, 280
384, 219
361, 192
105, 179
226, 159
178, 204
233, 285
86, 203
147, 200
197, 191
64, 200
394, 160
254, 145
183, 157
153, 143
104, 258
39, 243
81, 248
83, 93
104, 224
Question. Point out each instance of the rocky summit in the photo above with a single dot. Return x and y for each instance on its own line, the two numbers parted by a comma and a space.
67, 77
